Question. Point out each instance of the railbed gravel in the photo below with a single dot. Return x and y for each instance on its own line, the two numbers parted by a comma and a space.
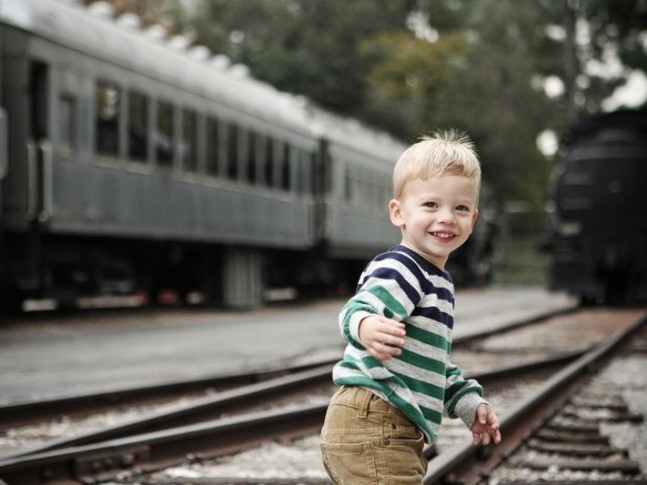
625, 377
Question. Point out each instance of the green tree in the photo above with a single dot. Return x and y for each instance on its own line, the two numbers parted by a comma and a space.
302, 46
478, 77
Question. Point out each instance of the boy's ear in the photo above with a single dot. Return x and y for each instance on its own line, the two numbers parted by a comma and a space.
475, 216
395, 212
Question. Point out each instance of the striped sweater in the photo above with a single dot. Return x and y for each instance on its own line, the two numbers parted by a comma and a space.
421, 382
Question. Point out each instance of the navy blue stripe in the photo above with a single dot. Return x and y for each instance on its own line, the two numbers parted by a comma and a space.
392, 274
422, 262
435, 314
443, 293
412, 266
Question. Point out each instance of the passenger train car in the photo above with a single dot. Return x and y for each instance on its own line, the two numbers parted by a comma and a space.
135, 164
598, 235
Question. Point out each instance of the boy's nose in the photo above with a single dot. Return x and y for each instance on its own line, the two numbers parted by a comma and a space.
445, 215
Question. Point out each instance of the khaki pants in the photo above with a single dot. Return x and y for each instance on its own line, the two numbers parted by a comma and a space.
366, 441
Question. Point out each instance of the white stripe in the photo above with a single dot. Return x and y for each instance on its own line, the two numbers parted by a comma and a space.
432, 300
391, 287
427, 350
428, 402
431, 326
418, 373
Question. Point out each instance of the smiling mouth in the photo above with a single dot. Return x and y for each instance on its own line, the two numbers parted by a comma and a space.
443, 235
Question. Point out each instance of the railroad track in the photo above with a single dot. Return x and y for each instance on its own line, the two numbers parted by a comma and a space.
13, 415
544, 422
207, 398
199, 431
154, 442
17, 414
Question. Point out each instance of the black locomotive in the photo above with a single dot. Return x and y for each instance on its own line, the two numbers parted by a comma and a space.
135, 164
599, 226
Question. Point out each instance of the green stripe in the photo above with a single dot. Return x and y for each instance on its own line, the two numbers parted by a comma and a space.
432, 415
371, 362
453, 389
427, 337
426, 363
348, 364
423, 387
389, 301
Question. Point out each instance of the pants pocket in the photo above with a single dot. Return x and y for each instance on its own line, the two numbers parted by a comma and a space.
404, 460
349, 464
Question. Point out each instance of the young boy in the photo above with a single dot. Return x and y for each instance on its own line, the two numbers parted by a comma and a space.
396, 377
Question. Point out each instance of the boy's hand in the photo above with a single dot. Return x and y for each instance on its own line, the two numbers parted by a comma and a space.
381, 336
485, 429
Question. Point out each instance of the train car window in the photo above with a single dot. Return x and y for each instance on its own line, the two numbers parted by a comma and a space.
213, 146
189, 141
286, 163
259, 168
232, 151
108, 105
269, 162
313, 173
37, 98
252, 142
306, 170
348, 191
137, 127
68, 124
164, 135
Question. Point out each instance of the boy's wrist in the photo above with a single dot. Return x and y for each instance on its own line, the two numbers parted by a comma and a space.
466, 407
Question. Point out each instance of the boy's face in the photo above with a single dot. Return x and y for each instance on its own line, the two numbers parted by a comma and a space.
436, 216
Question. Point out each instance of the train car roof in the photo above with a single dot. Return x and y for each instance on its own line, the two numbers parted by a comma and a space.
93, 31
354, 135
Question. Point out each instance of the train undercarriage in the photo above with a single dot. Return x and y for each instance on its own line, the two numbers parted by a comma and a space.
40, 271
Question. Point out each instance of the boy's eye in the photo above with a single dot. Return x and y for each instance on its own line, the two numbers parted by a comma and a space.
431, 205
462, 208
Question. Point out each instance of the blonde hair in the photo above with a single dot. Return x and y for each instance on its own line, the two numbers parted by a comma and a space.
444, 153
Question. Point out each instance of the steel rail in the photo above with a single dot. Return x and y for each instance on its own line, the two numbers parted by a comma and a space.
466, 464
234, 400
12, 415
156, 450
242, 398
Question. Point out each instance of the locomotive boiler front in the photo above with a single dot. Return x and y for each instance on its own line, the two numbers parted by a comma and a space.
599, 240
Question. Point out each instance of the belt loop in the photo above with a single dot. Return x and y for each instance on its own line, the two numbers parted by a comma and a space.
365, 399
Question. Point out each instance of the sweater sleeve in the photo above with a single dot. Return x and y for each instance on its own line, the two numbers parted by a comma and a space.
385, 290
462, 396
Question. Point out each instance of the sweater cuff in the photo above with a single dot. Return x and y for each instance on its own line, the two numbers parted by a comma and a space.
353, 324
466, 407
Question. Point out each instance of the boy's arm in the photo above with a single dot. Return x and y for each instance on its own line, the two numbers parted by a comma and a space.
462, 396
463, 399
372, 319
381, 336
